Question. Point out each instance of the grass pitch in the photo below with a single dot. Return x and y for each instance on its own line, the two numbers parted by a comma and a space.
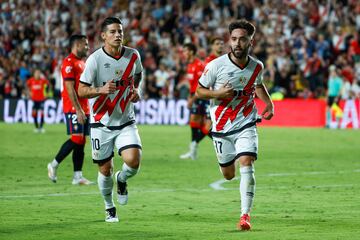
308, 187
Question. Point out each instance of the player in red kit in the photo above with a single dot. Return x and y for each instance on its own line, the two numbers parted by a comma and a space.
37, 89
76, 111
198, 107
217, 48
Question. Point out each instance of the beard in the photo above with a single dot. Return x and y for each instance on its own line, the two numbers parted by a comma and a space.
82, 54
240, 54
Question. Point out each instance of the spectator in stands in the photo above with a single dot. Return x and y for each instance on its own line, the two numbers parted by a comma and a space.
161, 27
335, 84
151, 91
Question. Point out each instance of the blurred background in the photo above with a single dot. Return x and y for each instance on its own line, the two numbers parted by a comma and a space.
298, 42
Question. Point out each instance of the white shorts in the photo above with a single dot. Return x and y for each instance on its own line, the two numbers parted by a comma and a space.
229, 148
104, 140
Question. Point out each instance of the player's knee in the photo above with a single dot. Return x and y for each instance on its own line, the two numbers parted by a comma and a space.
228, 175
33, 114
131, 156
106, 170
133, 162
80, 140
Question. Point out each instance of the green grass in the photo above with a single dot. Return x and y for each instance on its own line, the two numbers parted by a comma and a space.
308, 187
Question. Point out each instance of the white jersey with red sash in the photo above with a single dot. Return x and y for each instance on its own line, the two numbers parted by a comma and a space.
232, 114
112, 109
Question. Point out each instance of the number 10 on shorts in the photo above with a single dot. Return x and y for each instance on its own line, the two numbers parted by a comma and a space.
95, 143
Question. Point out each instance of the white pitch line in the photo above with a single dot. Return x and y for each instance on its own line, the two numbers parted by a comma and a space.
96, 193
218, 184
306, 173
213, 186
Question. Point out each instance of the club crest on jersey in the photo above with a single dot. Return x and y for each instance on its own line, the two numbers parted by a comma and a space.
68, 69
107, 65
118, 72
242, 80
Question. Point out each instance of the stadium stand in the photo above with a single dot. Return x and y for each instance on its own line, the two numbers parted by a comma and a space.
297, 40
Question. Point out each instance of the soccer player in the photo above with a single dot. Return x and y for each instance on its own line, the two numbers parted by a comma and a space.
197, 106
76, 111
111, 79
231, 82
37, 87
217, 48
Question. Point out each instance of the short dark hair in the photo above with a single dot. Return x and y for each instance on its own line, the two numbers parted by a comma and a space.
191, 47
243, 24
215, 38
109, 21
74, 38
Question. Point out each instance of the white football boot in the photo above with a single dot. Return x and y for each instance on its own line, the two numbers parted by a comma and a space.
52, 173
81, 181
192, 154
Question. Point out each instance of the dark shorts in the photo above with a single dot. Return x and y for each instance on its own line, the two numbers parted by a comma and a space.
74, 127
200, 107
38, 105
331, 100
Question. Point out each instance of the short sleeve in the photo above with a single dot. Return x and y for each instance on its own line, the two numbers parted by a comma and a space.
259, 78
138, 65
89, 74
208, 77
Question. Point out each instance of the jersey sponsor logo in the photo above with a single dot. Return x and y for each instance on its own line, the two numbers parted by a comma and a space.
107, 65
225, 111
68, 69
104, 104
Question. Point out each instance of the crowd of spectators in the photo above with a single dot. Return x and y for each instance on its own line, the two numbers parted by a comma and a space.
297, 40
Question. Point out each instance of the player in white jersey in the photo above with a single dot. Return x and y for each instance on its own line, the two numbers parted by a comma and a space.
110, 79
231, 81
